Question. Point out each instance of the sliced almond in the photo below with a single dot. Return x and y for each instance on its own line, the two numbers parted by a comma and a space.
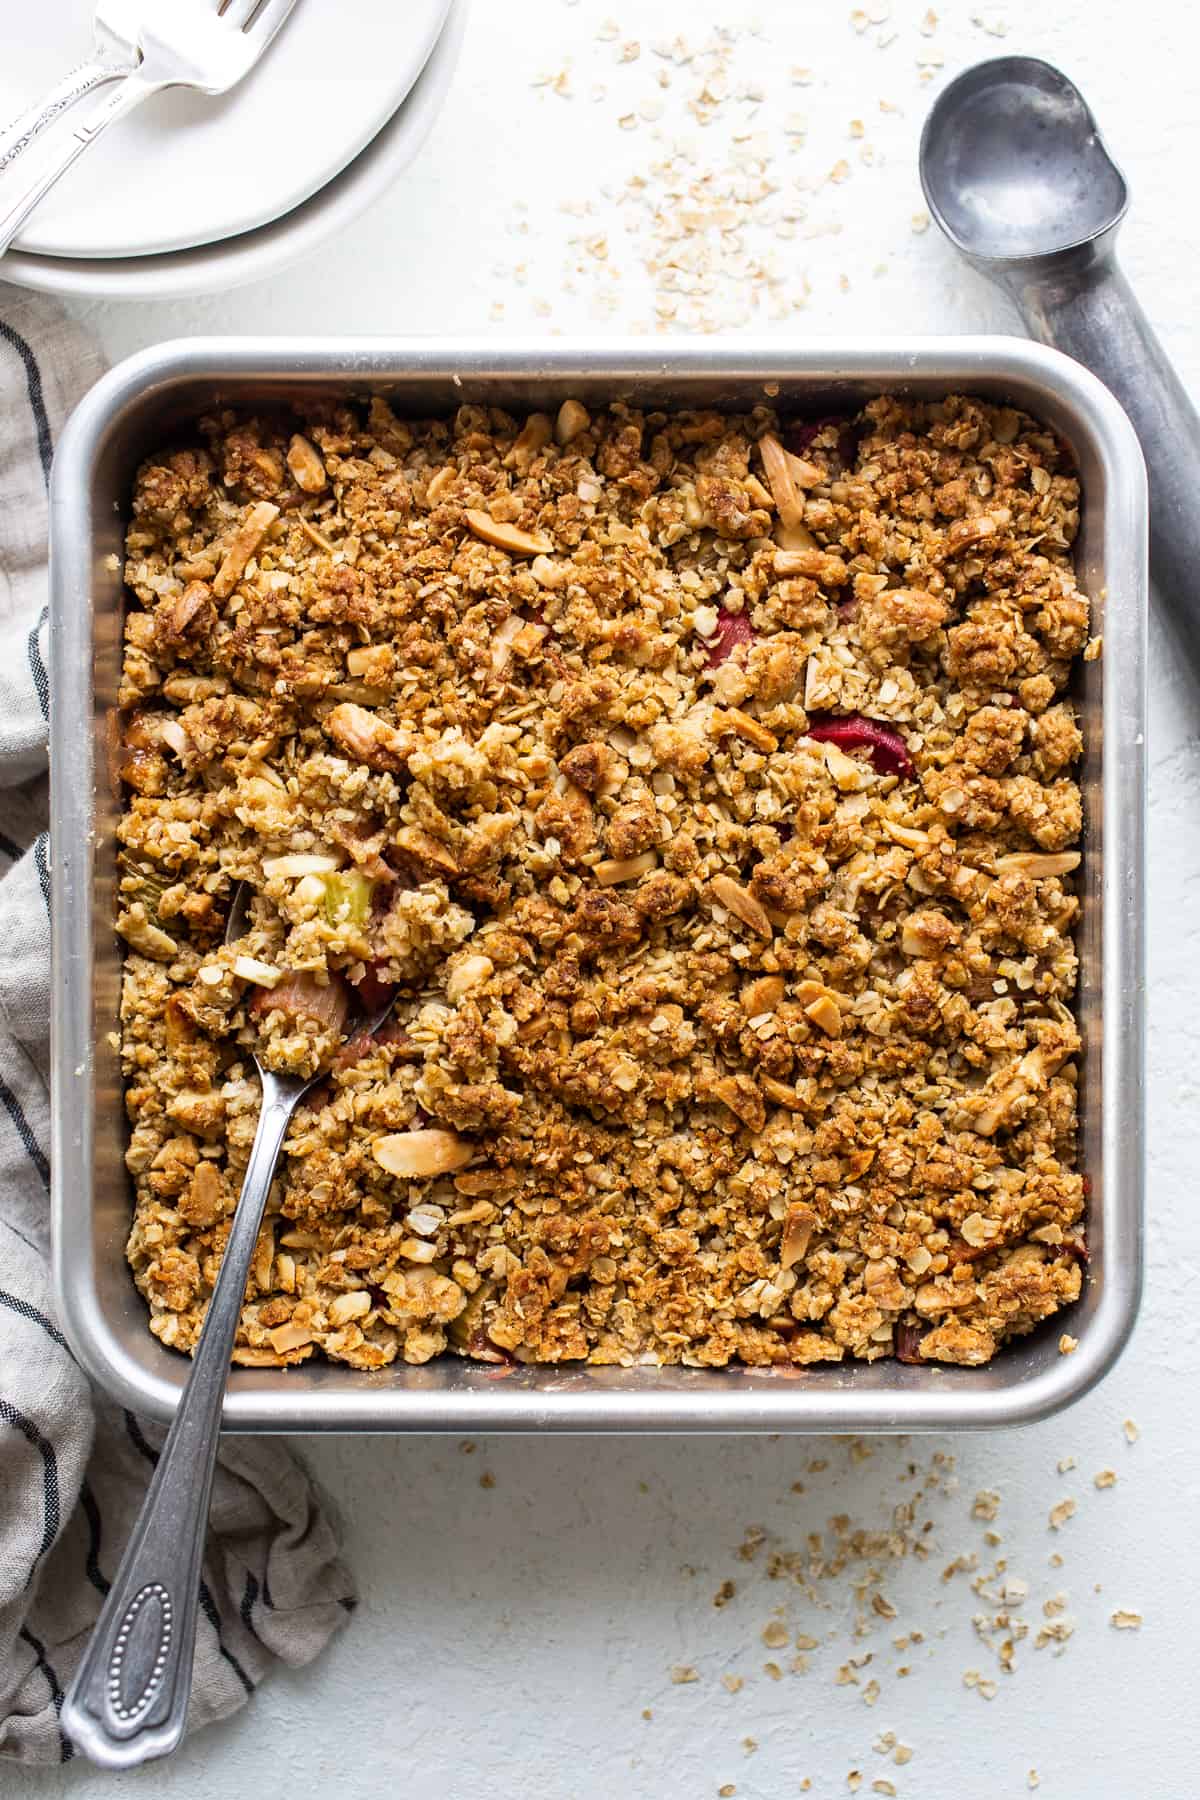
741, 902
780, 1092
349, 1306
502, 642
825, 1013
412, 1155
470, 973
573, 417
625, 868
426, 850
369, 738
534, 435
248, 968
907, 835
762, 995
304, 461
302, 863
172, 733
247, 1356
789, 503
313, 535
439, 484
850, 775
246, 539
290, 1336
797, 1234
804, 473
793, 537
733, 719
1029, 863
505, 536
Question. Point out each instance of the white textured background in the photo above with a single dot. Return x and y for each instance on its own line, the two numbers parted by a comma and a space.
512, 1634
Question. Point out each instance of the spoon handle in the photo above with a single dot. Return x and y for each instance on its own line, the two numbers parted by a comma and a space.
129, 1699
1094, 315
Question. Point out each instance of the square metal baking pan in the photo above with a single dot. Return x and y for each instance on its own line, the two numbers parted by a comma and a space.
137, 407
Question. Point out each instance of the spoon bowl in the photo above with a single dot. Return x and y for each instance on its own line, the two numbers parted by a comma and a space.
1013, 166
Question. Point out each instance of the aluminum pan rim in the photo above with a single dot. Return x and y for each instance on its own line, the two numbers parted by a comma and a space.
613, 1400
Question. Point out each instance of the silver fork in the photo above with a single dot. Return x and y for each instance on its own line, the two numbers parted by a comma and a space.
128, 1701
114, 54
205, 44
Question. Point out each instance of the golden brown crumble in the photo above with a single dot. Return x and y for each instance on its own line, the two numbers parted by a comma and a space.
702, 787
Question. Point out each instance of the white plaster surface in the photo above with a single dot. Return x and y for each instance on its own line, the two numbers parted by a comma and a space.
511, 1635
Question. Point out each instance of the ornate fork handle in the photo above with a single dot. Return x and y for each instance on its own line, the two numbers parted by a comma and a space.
128, 1700
83, 79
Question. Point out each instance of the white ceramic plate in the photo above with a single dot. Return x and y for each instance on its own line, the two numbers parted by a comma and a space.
255, 254
187, 169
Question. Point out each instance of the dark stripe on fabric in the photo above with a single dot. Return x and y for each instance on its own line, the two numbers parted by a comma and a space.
138, 1439
9, 849
249, 1596
37, 667
15, 1304
31, 1242
51, 1509
12, 1106
41, 857
95, 1525
347, 1603
208, 1605
37, 399
57, 1696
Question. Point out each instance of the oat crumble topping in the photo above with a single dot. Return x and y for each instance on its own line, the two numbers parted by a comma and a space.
702, 788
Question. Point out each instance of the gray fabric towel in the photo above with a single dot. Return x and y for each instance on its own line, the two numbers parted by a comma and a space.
73, 1467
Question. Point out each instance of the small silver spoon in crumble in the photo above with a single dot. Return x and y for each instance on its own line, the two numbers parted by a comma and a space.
128, 1701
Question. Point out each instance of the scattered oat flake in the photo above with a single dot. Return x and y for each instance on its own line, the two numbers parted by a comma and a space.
683, 1673
1132, 1434
773, 1671
1127, 1621
1059, 1514
749, 1745
727, 1792
920, 222
1105, 1478
1035, 1780
854, 1781
987, 1504
929, 23
870, 1693
883, 1786
487, 1479
775, 1634
902, 1754
1065, 1464
1067, 1345
732, 1683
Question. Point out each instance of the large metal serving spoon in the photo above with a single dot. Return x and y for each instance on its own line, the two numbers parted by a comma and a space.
1018, 177
129, 1699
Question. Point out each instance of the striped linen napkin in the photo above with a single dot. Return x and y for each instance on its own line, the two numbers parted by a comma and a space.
74, 1467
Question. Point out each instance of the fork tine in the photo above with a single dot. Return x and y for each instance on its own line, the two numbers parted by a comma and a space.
237, 14
267, 20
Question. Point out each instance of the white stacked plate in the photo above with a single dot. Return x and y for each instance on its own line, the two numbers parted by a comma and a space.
191, 194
